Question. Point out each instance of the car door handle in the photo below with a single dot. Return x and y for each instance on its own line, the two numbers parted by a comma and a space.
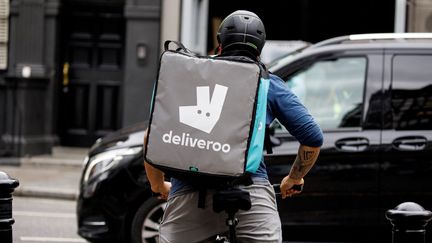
413, 143
357, 144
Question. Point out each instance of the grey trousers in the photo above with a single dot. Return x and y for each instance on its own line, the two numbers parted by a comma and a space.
184, 222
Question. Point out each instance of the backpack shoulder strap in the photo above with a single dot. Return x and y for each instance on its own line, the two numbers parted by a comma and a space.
267, 142
264, 71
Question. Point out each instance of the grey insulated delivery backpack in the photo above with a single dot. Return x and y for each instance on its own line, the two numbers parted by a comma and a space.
208, 116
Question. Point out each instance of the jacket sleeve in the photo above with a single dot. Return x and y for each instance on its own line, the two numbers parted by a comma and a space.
284, 105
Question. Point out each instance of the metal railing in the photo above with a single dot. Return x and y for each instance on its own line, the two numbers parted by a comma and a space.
409, 222
7, 186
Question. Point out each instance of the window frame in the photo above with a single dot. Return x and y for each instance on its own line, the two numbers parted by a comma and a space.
305, 63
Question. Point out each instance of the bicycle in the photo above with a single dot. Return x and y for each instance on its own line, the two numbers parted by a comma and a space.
232, 200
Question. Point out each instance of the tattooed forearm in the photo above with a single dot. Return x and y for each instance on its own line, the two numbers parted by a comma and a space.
304, 161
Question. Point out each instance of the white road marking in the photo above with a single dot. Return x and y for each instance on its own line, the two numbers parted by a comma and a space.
43, 214
51, 239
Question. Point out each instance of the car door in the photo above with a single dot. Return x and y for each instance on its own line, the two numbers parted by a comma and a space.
340, 90
406, 168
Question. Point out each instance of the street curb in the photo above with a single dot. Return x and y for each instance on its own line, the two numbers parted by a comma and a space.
20, 161
13, 161
74, 163
50, 193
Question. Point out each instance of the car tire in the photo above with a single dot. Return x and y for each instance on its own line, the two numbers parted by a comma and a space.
145, 223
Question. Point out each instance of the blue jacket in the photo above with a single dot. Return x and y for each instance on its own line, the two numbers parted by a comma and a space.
287, 108
291, 113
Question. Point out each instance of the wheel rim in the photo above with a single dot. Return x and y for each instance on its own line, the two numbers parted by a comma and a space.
150, 227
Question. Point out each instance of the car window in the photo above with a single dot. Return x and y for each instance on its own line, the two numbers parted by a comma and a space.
411, 96
332, 90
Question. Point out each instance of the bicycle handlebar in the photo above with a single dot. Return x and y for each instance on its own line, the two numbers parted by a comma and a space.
277, 190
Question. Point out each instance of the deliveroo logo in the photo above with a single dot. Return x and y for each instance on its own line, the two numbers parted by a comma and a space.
202, 116
206, 113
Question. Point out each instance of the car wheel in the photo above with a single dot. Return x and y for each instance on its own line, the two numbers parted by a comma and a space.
145, 224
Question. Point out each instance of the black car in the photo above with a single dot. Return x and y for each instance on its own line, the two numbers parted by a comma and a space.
372, 96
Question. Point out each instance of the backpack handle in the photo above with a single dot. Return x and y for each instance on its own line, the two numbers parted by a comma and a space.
180, 46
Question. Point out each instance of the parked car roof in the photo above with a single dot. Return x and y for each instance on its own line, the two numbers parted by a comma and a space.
357, 42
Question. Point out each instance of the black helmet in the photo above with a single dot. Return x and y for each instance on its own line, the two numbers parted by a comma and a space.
242, 30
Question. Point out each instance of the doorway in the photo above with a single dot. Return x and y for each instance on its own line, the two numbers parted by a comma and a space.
92, 58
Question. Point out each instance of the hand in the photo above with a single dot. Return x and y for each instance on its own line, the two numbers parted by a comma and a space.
286, 185
163, 189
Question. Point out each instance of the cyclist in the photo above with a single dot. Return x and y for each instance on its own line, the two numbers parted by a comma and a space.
242, 33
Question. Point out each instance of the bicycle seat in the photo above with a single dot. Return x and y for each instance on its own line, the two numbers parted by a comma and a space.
231, 199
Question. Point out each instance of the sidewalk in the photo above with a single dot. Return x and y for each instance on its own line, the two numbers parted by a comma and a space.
48, 176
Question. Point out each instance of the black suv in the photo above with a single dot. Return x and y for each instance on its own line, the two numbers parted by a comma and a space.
372, 96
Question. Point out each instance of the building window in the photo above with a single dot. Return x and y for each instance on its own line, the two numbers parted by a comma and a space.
4, 33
